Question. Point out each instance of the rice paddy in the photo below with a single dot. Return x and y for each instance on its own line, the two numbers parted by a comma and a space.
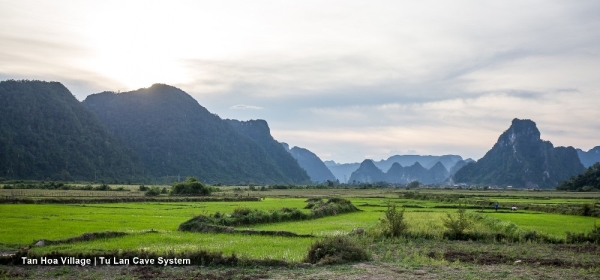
152, 227
24, 224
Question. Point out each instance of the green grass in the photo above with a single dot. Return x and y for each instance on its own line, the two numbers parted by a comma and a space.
246, 246
396, 258
24, 223
553, 224
543, 201
328, 226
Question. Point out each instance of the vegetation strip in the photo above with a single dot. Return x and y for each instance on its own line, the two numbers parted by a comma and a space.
203, 227
245, 216
123, 200
476, 202
84, 237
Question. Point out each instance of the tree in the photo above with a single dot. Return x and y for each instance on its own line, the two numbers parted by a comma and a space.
152, 191
191, 186
589, 180
413, 184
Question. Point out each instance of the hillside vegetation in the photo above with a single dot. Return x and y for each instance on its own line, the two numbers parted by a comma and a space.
521, 159
46, 134
174, 135
589, 180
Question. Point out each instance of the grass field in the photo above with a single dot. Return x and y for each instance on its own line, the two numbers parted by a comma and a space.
553, 224
246, 246
23, 224
152, 226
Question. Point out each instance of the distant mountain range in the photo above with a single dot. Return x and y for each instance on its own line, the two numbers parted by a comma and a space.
368, 172
344, 171
161, 132
521, 159
316, 169
590, 157
174, 135
156, 133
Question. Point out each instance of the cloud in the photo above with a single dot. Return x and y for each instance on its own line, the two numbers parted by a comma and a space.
345, 80
242, 107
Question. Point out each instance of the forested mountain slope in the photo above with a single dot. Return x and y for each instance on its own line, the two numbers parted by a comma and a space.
46, 134
174, 135
259, 132
521, 159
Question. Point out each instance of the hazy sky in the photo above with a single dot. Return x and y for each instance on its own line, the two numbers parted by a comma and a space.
347, 80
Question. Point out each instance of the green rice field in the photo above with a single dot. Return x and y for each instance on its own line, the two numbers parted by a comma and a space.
140, 227
25, 224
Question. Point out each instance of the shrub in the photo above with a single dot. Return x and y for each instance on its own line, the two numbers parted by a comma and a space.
103, 187
191, 186
152, 191
393, 222
241, 211
593, 236
335, 250
332, 207
310, 205
586, 209
338, 200
457, 225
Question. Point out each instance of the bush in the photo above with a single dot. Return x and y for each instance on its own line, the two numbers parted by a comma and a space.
393, 223
457, 225
152, 191
335, 250
332, 207
191, 186
338, 200
103, 187
241, 211
593, 236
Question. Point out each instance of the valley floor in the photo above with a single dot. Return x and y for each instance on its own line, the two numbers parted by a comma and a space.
539, 249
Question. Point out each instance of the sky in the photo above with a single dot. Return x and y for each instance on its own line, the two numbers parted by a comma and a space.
348, 80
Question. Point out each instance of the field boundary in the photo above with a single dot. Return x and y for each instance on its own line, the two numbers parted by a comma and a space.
123, 200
